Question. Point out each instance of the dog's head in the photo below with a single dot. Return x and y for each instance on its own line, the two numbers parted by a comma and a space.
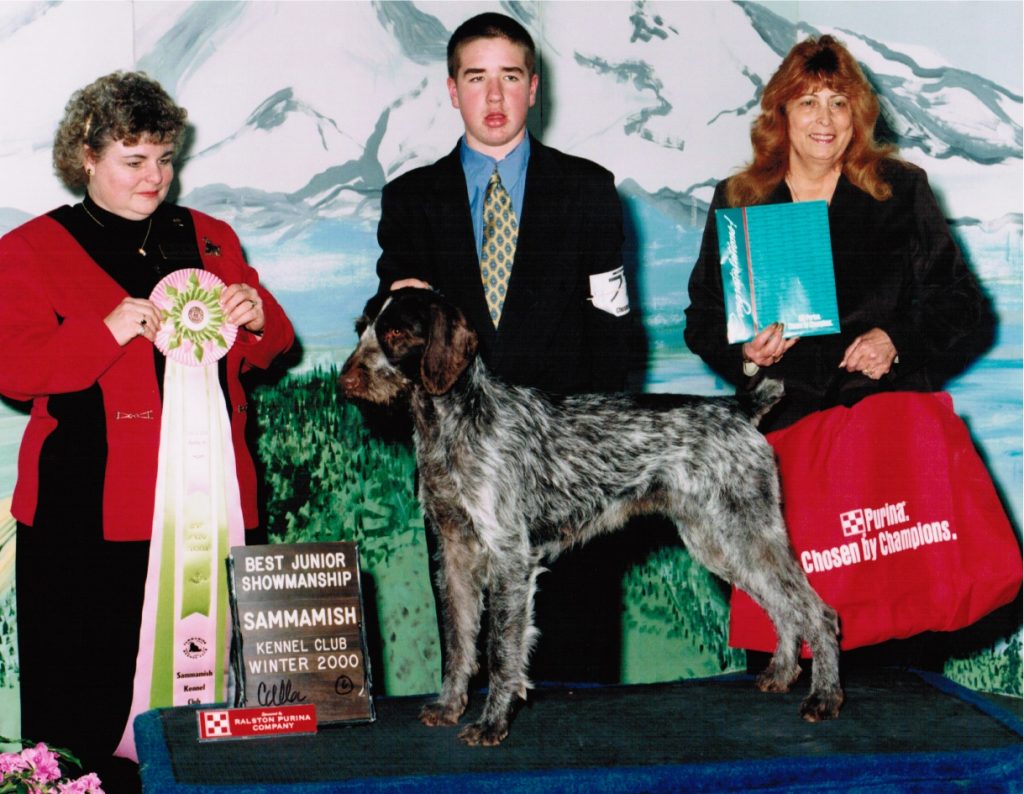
408, 338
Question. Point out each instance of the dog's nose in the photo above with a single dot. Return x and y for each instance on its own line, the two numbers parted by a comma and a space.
352, 381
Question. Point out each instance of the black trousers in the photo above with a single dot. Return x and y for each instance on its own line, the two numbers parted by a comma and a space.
79, 601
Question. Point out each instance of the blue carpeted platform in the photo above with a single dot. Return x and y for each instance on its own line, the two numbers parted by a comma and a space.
900, 731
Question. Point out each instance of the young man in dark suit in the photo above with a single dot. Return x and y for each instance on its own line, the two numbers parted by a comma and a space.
554, 314
564, 324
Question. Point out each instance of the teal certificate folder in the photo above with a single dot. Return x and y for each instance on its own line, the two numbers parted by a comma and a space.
777, 267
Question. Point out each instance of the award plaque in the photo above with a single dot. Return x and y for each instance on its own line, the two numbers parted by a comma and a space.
298, 630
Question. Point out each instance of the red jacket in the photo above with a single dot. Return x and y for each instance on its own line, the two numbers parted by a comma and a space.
45, 275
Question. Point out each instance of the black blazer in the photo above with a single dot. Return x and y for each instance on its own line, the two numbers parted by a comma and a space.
897, 268
550, 336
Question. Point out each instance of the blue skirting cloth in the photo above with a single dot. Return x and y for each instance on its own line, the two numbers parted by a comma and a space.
899, 731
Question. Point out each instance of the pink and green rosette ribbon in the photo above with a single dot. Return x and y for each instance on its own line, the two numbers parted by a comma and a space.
184, 637
193, 330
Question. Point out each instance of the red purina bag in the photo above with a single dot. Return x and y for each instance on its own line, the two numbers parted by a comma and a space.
894, 518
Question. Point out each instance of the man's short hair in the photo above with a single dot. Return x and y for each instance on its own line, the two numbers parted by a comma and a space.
490, 26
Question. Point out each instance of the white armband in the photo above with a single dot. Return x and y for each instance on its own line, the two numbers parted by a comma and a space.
608, 292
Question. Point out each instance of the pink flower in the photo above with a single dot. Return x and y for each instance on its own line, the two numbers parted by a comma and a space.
36, 770
12, 762
44, 762
87, 784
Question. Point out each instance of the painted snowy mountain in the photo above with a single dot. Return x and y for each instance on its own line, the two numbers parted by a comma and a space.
626, 96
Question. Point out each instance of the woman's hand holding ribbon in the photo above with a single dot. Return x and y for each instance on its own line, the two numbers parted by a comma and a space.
243, 307
133, 317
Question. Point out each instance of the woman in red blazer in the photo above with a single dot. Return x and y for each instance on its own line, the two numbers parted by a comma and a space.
77, 331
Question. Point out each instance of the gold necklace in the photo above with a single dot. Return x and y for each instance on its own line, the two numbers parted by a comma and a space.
142, 246
796, 196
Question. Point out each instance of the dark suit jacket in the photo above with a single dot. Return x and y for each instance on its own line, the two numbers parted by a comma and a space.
897, 268
551, 336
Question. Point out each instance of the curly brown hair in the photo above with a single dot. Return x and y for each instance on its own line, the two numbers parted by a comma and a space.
810, 66
122, 106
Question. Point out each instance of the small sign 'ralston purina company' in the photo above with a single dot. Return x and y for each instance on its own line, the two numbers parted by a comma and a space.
218, 724
299, 636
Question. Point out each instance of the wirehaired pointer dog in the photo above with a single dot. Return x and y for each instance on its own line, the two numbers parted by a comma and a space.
509, 478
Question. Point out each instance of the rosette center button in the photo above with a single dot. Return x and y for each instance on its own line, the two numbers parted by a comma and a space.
195, 315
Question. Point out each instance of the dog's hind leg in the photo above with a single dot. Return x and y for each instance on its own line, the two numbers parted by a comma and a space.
771, 595
821, 630
826, 695
726, 536
744, 541
509, 642
797, 612
460, 579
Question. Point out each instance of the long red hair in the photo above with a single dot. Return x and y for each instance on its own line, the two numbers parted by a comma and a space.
810, 66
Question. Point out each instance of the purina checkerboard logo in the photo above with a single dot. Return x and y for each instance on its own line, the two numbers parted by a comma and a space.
870, 519
216, 724
853, 523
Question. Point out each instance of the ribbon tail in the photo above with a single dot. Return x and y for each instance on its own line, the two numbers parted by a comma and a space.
184, 636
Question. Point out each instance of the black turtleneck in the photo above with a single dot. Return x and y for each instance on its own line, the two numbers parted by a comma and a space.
167, 236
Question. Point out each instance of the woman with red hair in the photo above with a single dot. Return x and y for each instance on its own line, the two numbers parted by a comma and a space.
907, 301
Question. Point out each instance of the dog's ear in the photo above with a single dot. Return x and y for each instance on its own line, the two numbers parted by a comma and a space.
451, 346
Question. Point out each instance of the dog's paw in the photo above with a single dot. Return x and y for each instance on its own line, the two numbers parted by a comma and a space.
773, 679
440, 714
482, 734
819, 706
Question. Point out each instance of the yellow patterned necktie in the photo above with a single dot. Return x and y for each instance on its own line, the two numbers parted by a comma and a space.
501, 230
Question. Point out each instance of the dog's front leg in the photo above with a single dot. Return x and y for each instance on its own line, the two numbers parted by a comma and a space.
509, 641
460, 589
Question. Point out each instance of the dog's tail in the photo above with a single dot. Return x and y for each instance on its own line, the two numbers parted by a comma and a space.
762, 399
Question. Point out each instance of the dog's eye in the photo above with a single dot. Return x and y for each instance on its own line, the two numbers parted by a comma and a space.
393, 336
